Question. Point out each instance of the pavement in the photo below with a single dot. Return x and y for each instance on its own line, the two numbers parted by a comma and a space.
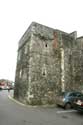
12, 113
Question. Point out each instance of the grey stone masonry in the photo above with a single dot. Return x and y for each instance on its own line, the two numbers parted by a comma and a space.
49, 61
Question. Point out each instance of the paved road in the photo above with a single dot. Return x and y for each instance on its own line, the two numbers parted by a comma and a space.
12, 113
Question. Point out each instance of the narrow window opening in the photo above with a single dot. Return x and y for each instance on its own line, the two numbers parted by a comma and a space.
46, 45
44, 74
20, 75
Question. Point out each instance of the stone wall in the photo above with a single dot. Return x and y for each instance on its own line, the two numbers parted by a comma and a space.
67, 47
22, 71
49, 61
44, 68
77, 65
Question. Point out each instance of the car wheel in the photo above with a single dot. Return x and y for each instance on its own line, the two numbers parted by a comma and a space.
68, 106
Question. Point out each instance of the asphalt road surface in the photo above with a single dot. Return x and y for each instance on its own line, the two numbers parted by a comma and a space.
12, 113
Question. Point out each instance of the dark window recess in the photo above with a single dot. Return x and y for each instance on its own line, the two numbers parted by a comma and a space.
45, 45
44, 74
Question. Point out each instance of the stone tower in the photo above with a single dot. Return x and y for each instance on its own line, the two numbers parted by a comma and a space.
48, 62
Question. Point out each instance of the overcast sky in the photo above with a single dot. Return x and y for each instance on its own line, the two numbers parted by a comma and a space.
17, 15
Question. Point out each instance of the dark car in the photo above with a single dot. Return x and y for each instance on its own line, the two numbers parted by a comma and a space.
78, 105
66, 99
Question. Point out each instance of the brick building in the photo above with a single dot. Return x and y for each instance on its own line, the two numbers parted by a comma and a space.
49, 61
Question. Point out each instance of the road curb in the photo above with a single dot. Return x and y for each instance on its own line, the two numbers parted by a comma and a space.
11, 98
30, 106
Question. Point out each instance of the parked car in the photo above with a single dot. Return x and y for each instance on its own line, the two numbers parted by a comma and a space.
78, 104
66, 99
